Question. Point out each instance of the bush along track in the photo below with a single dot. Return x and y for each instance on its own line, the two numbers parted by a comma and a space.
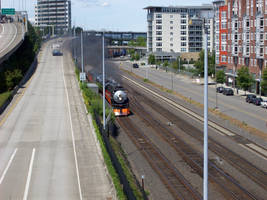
114, 157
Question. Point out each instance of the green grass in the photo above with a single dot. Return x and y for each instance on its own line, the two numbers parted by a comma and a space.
125, 166
3, 97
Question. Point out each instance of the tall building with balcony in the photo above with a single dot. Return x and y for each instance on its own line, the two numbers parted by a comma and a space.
246, 37
53, 13
178, 29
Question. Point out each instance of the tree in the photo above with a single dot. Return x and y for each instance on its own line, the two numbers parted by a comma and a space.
220, 76
200, 63
264, 81
141, 42
244, 78
78, 30
151, 59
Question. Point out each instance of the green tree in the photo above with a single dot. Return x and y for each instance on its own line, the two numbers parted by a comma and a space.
151, 59
175, 65
200, 63
13, 78
220, 76
244, 78
264, 81
78, 30
137, 56
141, 42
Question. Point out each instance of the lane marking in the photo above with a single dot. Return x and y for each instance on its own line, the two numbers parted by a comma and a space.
15, 35
252, 151
258, 149
25, 197
72, 135
8, 165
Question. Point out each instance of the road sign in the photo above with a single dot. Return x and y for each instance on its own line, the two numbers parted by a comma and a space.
82, 76
8, 11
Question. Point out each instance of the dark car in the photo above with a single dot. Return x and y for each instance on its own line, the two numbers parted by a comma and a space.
56, 52
228, 91
220, 89
257, 101
135, 65
250, 98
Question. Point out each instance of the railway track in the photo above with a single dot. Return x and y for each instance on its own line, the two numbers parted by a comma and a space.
247, 168
227, 185
178, 186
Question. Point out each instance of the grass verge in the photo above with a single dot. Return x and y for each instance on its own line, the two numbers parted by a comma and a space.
4, 96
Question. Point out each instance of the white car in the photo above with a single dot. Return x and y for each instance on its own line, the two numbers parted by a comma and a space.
264, 104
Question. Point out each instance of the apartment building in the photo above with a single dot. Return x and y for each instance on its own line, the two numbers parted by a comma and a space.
179, 29
242, 38
53, 13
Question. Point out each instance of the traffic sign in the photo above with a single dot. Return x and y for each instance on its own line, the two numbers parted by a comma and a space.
8, 11
82, 76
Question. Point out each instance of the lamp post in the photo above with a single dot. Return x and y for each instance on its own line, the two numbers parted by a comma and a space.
104, 82
234, 69
216, 96
260, 63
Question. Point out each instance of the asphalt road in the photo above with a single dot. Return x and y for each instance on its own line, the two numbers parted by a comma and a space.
234, 106
47, 147
10, 36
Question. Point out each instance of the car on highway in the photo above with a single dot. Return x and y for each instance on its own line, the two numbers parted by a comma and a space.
250, 98
264, 104
135, 65
257, 101
228, 92
220, 89
56, 52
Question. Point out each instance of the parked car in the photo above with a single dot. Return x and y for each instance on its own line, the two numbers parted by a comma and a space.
135, 65
220, 89
264, 104
257, 101
228, 91
250, 98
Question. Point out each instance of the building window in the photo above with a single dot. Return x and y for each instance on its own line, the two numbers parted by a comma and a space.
183, 38
183, 26
159, 49
158, 44
158, 21
247, 10
183, 32
265, 7
171, 16
158, 16
171, 33
183, 21
251, 8
171, 22
183, 49
158, 27
183, 16
159, 38
171, 27
171, 39
183, 44
224, 58
158, 32
171, 44
224, 25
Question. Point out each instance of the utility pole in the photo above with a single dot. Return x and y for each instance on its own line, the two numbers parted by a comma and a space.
205, 178
216, 106
104, 82
82, 50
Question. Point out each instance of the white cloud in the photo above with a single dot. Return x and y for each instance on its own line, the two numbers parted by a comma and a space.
105, 4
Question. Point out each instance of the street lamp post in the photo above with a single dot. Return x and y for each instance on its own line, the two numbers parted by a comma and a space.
260, 63
235, 66
216, 96
104, 82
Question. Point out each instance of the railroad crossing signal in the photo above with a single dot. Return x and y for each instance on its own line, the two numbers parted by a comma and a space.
8, 11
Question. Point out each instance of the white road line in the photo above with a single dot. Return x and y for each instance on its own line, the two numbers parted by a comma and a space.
11, 40
26, 191
8, 165
72, 135
252, 151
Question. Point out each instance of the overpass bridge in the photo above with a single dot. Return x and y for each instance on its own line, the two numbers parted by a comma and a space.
11, 37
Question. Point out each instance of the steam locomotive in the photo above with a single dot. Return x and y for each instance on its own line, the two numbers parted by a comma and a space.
116, 96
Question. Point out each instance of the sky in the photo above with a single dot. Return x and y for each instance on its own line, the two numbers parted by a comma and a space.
113, 15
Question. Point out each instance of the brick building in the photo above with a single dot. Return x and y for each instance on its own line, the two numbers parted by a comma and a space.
243, 38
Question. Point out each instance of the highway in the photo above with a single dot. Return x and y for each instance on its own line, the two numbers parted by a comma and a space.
10, 36
47, 147
234, 106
